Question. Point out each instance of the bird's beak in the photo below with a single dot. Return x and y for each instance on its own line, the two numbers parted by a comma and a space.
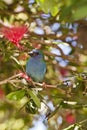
30, 53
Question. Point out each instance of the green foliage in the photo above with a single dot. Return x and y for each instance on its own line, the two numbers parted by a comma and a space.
17, 95
49, 6
70, 9
75, 126
80, 13
36, 100
31, 107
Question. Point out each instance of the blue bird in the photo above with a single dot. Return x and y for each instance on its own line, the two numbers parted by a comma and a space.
36, 66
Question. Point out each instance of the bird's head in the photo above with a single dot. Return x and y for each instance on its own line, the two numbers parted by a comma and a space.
35, 53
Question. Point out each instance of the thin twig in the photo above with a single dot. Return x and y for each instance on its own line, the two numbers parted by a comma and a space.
10, 78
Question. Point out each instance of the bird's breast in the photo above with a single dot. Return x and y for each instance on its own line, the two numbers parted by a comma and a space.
36, 69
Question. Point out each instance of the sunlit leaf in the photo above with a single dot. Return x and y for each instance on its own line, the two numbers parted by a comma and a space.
72, 127
35, 98
17, 95
54, 10
49, 6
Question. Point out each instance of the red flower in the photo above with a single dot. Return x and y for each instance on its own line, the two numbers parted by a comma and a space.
14, 34
70, 118
63, 72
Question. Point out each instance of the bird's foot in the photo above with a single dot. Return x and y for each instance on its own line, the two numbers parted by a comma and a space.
25, 76
44, 85
33, 83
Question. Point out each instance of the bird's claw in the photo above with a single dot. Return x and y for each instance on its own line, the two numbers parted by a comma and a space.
44, 85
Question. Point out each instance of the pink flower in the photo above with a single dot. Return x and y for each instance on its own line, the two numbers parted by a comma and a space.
14, 34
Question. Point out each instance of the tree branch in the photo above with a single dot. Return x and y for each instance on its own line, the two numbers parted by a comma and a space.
12, 80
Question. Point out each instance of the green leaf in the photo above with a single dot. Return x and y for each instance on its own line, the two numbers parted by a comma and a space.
49, 6
35, 98
31, 107
17, 95
80, 13
65, 13
54, 10
72, 127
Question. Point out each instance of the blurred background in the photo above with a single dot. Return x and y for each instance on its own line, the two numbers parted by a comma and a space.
59, 29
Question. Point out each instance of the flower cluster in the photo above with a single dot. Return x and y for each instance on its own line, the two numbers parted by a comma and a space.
14, 34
